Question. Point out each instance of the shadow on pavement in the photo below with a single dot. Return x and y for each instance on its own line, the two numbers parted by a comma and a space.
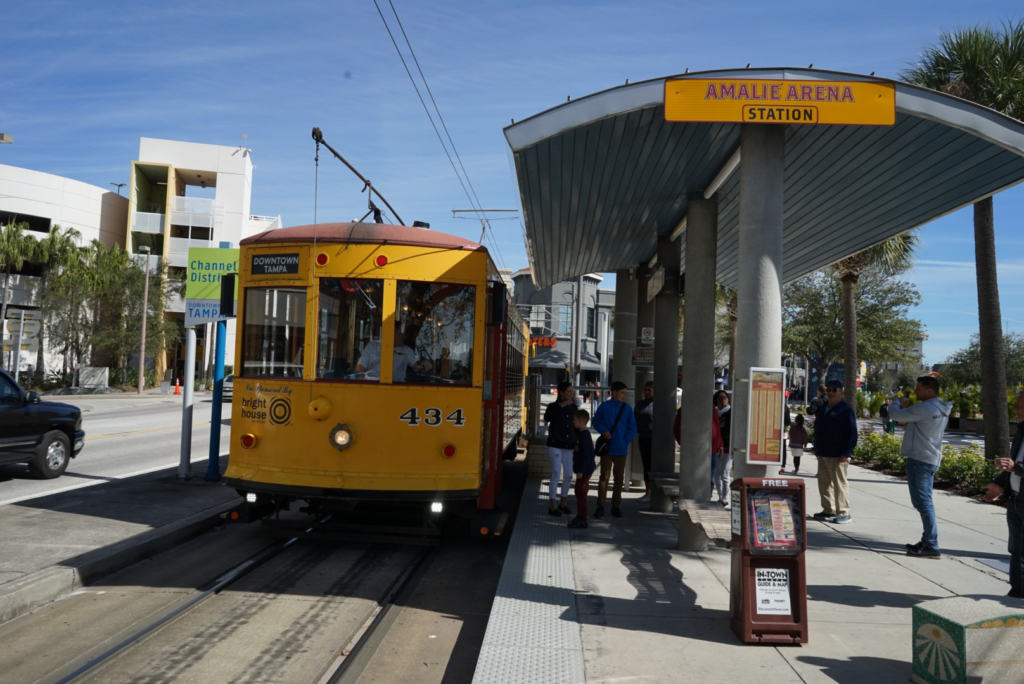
862, 597
860, 669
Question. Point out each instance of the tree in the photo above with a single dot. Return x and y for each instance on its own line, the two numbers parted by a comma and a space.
812, 317
55, 252
15, 248
119, 281
986, 67
892, 256
964, 365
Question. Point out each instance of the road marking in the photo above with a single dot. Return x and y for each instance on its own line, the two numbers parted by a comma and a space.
139, 432
92, 483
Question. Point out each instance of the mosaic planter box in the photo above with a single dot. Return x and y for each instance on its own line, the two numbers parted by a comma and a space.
964, 640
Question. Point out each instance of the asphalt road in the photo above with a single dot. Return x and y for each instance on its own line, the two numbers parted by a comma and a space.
125, 436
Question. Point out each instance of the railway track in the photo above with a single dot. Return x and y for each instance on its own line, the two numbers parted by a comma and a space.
292, 611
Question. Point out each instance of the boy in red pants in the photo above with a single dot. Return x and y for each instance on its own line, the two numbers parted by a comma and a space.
583, 464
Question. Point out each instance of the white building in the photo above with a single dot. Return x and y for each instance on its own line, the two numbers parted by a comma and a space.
43, 200
186, 195
179, 195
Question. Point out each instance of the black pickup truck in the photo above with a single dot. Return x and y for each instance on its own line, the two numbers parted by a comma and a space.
44, 434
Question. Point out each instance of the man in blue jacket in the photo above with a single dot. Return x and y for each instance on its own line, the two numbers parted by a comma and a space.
615, 421
835, 435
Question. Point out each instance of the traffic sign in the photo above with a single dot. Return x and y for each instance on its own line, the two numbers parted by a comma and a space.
206, 265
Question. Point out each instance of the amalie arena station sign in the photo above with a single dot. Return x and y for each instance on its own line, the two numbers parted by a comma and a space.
859, 103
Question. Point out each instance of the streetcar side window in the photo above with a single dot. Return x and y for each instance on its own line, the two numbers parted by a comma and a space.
438, 321
349, 327
274, 332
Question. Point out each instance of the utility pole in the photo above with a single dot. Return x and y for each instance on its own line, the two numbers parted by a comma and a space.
145, 309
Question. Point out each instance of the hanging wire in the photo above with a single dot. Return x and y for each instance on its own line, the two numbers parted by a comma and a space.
471, 192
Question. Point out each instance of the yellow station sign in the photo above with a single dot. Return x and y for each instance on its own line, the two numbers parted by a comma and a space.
779, 101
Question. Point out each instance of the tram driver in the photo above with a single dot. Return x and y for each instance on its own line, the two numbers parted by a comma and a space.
369, 362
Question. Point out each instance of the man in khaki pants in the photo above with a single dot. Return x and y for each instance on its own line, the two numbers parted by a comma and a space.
835, 436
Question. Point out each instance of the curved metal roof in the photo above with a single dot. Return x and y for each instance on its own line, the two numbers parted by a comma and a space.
602, 177
367, 233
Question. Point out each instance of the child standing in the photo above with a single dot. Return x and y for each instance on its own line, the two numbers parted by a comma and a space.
583, 465
797, 442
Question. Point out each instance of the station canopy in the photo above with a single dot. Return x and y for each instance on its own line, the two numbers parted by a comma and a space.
601, 178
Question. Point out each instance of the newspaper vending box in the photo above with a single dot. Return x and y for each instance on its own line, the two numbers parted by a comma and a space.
769, 581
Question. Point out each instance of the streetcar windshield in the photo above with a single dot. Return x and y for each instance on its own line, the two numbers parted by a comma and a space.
274, 332
349, 327
438, 320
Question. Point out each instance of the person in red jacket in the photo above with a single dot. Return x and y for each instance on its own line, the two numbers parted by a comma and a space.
717, 445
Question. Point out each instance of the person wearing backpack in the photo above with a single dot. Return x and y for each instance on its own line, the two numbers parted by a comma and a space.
615, 422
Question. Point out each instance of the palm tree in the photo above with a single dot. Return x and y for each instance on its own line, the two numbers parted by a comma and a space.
55, 252
15, 248
985, 67
893, 256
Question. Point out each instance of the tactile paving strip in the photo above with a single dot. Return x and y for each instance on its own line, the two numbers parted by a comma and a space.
532, 634
521, 665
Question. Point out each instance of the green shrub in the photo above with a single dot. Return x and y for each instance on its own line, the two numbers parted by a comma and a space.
883, 450
966, 466
863, 407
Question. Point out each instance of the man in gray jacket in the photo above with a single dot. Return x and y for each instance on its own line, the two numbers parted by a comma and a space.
922, 447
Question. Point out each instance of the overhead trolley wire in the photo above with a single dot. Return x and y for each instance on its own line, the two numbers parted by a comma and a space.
471, 192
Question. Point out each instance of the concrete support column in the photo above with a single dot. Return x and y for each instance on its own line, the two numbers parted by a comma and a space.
759, 313
698, 363
666, 362
625, 329
643, 374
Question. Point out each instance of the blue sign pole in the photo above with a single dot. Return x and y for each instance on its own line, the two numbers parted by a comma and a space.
213, 467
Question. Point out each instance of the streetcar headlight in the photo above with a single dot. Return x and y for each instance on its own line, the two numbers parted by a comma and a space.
341, 437
250, 497
436, 507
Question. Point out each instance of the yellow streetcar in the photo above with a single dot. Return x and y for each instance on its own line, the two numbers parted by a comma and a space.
373, 363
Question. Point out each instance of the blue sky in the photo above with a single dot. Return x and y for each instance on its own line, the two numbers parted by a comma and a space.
82, 82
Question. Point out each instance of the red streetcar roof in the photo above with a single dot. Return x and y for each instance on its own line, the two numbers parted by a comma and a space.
365, 233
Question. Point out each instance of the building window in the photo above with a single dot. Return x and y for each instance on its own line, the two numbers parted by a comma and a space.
564, 320
538, 319
591, 323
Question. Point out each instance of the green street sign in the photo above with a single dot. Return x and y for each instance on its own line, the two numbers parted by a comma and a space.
205, 267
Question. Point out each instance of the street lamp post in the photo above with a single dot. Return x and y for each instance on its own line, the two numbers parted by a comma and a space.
118, 186
145, 309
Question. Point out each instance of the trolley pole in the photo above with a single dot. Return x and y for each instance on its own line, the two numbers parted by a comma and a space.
213, 467
185, 466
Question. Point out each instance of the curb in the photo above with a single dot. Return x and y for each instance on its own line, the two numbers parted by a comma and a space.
36, 589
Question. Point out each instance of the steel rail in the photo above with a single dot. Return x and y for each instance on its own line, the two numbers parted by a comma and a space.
207, 590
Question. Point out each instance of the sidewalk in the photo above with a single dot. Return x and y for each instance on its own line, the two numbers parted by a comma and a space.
633, 608
55, 544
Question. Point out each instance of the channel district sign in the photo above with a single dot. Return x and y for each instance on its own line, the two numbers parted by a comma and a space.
862, 103
206, 265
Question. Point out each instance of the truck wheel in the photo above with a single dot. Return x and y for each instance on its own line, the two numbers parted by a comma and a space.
53, 456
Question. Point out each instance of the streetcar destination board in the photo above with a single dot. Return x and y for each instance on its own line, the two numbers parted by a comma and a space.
275, 264
780, 101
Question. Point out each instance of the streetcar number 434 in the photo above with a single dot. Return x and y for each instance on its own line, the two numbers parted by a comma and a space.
432, 417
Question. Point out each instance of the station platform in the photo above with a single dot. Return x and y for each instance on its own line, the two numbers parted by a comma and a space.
55, 544
617, 602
